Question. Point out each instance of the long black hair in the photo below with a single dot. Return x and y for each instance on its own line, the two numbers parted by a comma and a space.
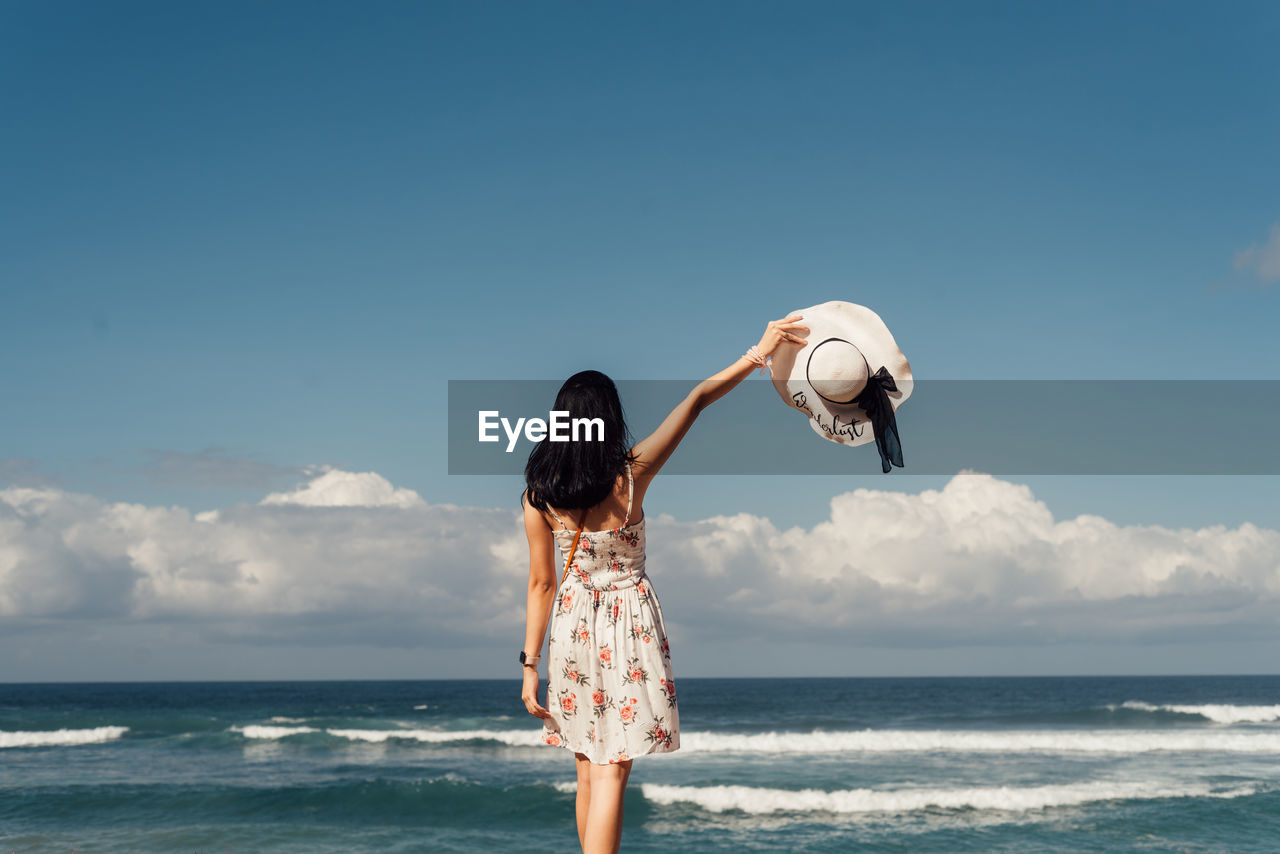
579, 474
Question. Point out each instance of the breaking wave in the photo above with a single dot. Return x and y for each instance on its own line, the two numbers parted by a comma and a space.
1221, 713
1009, 798
61, 737
856, 741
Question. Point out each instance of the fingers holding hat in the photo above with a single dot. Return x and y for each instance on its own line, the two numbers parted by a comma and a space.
778, 331
792, 324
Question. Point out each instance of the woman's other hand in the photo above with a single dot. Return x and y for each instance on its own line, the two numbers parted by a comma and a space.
530, 694
781, 330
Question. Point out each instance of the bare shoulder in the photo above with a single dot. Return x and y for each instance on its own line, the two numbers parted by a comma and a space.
536, 522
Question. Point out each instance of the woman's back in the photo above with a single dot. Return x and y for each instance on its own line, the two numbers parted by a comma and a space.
622, 507
607, 559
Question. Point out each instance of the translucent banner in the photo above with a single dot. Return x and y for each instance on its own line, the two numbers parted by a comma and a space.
1001, 427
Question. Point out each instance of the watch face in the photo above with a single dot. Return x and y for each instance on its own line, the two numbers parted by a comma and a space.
522, 656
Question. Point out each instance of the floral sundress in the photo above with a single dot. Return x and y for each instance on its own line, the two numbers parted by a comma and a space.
611, 691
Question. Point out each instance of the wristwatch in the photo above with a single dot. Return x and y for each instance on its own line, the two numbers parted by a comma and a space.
526, 661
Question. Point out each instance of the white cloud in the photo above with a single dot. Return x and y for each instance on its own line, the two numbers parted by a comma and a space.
978, 561
1262, 260
348, 558
386, 574
336, 488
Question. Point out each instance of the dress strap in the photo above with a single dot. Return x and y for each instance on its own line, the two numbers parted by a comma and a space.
631, 488
558, 519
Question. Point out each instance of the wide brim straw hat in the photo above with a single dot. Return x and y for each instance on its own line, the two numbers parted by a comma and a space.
849, 378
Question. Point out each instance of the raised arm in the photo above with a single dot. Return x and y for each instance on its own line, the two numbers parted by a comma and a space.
652, 451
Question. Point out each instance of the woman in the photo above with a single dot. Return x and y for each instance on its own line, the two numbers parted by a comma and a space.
611, 689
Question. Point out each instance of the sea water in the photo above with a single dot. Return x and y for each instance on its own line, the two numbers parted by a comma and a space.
795, 765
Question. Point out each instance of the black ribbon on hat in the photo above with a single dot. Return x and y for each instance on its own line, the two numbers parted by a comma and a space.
874, 400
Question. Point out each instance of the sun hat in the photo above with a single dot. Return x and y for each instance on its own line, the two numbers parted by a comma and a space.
849, 377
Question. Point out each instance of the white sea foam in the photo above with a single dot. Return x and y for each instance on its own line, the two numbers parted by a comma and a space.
1223, 713
863, 741
1007, 798
983, 741
258, 731
283, 720
516, 737
422, 706
60, 737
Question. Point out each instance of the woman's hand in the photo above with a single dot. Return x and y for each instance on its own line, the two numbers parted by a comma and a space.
781, 330
530, 694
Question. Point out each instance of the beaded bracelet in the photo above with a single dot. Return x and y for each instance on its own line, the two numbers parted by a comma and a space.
757, 358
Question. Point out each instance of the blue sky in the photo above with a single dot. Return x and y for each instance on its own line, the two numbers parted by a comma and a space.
243, 239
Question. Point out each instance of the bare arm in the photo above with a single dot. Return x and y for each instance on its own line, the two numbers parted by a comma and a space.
654, 450
542, 593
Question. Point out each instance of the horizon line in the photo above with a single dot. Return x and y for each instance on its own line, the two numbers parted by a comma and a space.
513, 678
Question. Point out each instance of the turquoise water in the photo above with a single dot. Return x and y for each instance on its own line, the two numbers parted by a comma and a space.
804, 765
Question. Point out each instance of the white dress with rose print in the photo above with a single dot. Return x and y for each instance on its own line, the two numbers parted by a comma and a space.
610, 688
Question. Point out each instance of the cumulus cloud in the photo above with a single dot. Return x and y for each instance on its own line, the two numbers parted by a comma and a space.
335, 488
399, 572
348, 557
979, 561
1262, 260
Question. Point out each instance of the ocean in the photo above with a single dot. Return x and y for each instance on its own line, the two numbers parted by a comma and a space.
1113, 764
